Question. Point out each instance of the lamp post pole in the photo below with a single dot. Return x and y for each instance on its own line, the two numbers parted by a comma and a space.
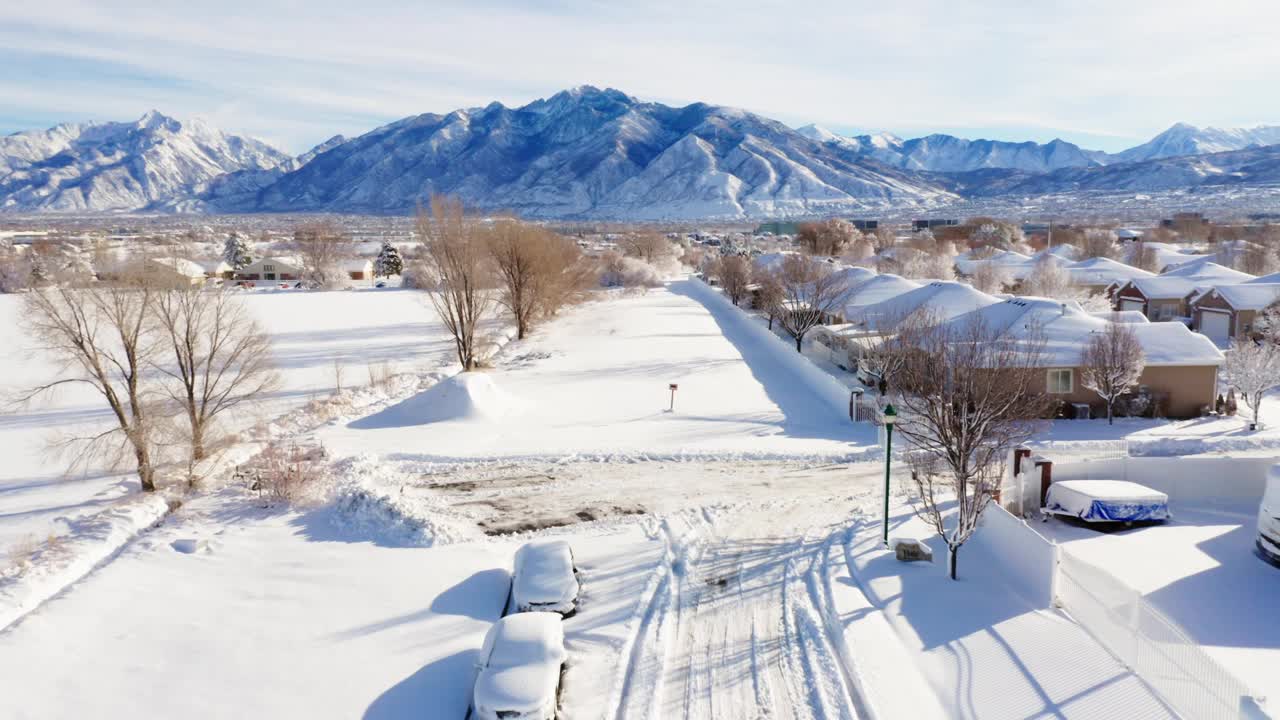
890, 417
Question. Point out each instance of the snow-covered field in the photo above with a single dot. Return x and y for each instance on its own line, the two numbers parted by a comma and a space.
309, 332
595, 382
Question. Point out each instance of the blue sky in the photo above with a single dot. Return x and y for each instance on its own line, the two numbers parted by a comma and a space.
1106, 75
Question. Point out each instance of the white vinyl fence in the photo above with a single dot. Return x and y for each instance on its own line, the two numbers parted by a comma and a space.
1150, 644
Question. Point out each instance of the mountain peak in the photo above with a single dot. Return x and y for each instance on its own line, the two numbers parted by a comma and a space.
153, 119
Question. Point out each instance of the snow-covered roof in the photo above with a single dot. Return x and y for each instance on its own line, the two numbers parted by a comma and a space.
1205, 268
1124, 317
854, 276
1245, 296
877, 289
1065, 251
1168, 288
1128, 233
216, 266
1104, 271
943, 299
967, 264
356, 264
289, 261
1066, 329
181, 266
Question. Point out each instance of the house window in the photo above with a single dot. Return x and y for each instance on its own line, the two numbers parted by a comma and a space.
1060, 381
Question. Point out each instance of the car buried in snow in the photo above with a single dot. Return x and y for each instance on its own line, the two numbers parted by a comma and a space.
519, 668
1269, 517
545, 578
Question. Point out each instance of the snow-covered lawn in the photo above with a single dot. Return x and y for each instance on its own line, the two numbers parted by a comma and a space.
1200, 569
988, 651
595, 382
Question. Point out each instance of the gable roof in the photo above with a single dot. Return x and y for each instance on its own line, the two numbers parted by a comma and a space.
1065, 330
1167, 288
1206, 269
1244, 296
877, 289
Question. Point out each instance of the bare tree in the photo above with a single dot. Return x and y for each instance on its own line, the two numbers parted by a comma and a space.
990, 278
457, 259
102, 337
647, 246
218, 356
859, 250
883, 238
827, 238
966, 394
735, 276
322, 248
1048, 278
811, 293
1144, 257
1253, 368
1111, 363
1097, 242
1259, 259
769, 295
537, 270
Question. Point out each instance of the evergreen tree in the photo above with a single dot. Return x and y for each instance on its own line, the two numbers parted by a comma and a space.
389, 262
236, 252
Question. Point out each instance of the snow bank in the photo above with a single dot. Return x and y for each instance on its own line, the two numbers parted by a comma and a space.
68, 558
830, 390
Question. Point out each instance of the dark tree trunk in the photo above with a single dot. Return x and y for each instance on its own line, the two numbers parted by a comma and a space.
951, 561
146, 473
799, 339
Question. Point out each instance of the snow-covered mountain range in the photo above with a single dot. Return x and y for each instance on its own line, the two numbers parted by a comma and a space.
121, 166
590, 153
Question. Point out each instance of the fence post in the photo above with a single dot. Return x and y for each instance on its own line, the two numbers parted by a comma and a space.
1055, 578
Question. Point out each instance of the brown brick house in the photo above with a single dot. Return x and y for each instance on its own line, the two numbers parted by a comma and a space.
1226, 312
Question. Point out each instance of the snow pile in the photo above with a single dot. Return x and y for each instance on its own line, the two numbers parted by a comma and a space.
65, 559
370, 500
468, 396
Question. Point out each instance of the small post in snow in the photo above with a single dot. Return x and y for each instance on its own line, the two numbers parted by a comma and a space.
673, 388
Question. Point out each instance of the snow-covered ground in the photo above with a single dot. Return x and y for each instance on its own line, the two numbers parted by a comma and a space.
309, 332
1201, 570
987, 649
595, 383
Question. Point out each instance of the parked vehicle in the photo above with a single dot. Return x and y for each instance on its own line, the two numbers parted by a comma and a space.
1269, 517
544, 578
380, 284
519, 668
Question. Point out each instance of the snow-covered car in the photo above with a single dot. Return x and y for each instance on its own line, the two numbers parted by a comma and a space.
1269, 517
519, 668
544, 578
1106, 501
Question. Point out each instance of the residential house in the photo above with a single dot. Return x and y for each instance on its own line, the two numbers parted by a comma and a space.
1180, 373
272, 269
218, 269
358, 268
1226, 312
177, 270
875, 290
1168, 296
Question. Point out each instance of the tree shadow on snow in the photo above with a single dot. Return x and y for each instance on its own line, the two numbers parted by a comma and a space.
440, 689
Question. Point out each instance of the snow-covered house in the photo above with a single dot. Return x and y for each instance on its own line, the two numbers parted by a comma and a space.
1181, 366
281, 267
177, 270
1014, 263
1168, 296
1099, 273
358, 268
218, 269
1224, 312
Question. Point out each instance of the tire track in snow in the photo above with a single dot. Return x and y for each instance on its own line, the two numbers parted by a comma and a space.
737, 629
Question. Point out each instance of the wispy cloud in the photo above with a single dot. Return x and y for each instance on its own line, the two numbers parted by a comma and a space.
296, 73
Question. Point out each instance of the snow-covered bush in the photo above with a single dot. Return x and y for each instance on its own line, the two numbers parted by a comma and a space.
289, 473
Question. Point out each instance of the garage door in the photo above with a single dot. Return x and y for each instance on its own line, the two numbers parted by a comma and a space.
1126, 304
1216, 326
